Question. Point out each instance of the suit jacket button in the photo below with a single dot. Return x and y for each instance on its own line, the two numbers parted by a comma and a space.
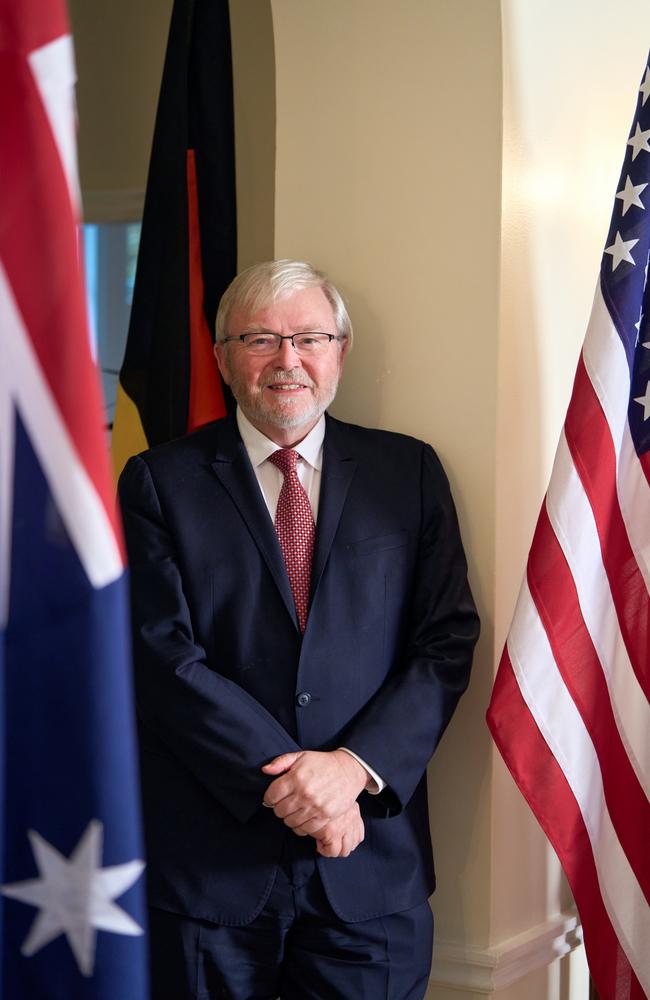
303, 699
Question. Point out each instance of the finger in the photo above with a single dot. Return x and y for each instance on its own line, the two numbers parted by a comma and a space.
282, 763
277, 790
356, 832
298, 821
314, 826
346, 849
289, 805
284, 795
329, 839
329, 848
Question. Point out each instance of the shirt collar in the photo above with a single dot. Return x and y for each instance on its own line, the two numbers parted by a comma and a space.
259, 447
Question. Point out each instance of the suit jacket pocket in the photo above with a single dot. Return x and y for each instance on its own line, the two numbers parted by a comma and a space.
379, 543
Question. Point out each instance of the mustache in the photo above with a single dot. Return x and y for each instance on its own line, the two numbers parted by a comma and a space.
296, 375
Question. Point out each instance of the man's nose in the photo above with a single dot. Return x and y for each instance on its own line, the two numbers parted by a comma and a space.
287, 356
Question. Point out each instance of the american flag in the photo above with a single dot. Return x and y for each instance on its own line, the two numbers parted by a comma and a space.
71, 917
569, 710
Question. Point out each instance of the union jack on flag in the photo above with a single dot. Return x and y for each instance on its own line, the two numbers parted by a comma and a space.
570, 708
71, 916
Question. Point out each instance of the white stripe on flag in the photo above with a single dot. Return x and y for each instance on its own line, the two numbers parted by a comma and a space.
606, 364
54, 73
78, 503
573, 523
562, 727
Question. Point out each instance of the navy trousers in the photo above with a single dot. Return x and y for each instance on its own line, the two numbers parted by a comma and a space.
296, 949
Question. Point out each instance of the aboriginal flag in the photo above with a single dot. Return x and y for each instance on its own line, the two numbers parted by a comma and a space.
169, 383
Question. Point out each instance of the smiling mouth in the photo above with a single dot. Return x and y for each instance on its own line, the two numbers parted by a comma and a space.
285, 386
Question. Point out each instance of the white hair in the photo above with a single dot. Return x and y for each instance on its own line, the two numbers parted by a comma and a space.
273, 280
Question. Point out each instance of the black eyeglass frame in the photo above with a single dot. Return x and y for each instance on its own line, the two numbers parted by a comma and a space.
284, 336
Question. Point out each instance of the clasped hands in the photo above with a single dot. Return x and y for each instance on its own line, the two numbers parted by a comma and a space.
315, 794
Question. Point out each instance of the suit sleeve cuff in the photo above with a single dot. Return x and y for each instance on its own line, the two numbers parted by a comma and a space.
375, 783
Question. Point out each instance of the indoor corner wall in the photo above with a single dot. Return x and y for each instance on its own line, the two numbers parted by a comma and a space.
388, 175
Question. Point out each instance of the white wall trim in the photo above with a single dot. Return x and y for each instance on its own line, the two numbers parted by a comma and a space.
112, 206
484, 970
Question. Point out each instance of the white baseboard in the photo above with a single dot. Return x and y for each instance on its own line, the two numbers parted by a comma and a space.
484, 970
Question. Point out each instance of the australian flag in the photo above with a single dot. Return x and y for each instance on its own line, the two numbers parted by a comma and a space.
71, 882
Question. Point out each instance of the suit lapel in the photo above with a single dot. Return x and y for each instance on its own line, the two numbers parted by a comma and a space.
338, 470
235, 473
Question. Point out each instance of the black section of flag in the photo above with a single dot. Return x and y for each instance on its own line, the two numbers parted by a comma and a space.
195, 110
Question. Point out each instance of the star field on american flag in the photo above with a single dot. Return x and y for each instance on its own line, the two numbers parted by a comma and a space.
624, 280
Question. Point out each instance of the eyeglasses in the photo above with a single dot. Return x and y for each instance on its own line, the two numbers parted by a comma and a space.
261, 344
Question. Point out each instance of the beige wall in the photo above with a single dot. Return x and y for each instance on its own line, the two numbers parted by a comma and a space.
388, 176
253, 59
119, 48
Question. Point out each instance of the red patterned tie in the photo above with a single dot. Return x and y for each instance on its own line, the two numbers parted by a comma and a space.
294, 526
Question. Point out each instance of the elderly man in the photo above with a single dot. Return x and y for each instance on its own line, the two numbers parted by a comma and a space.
303, 629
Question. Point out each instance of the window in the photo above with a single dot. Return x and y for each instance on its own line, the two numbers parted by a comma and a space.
110, 256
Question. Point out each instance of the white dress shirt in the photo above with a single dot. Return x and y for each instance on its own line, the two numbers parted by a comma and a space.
270, 480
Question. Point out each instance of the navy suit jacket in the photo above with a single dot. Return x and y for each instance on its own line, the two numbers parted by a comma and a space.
225, 682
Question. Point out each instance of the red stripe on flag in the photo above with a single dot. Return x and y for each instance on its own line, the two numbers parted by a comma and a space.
554, 593
590, 443
542, 782
38, 238
206, 401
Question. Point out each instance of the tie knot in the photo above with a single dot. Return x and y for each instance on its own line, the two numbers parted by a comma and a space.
285, 459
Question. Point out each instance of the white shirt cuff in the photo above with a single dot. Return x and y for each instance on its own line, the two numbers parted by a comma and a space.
375, 784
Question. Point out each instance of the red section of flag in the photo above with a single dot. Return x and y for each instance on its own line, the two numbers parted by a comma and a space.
31, 24
206, 401
554, 592
549, 795
38, 248
590, 442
